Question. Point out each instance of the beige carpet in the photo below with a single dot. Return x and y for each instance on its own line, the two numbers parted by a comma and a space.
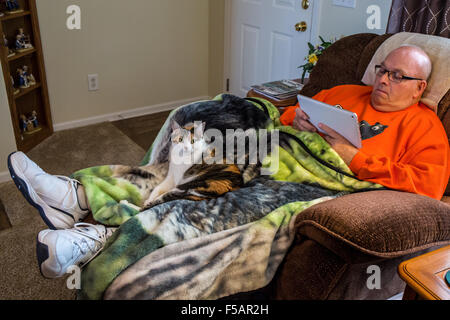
62, 153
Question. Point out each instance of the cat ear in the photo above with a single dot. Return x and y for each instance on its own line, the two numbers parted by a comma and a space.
175, 125
199, 128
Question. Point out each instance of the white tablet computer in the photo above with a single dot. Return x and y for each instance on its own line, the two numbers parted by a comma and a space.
342, 121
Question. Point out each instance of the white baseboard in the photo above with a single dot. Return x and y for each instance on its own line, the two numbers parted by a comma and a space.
126, 114
5, 176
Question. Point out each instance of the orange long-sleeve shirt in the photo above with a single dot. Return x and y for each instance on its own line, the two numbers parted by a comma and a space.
405, 150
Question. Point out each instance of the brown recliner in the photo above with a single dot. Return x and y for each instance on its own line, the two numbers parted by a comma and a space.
337, 241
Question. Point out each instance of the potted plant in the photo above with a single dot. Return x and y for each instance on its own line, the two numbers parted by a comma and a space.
313, 56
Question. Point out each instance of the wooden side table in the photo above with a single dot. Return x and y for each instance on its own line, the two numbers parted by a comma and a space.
280, 104
424, 275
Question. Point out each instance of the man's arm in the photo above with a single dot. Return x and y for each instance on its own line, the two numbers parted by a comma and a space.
341, 145
426, 172
423, 170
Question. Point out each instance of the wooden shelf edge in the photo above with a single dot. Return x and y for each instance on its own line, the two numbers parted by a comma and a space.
27, 90
21, 54
32, 140
15, 15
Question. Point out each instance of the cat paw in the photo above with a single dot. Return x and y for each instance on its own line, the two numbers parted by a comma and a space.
155, 195
151, 204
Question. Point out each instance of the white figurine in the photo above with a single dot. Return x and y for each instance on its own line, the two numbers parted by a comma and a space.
12, 6
9, 51
23, 41
30, 78
33, 119
23, 81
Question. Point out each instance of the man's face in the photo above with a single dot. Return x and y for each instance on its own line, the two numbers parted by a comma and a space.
389, 96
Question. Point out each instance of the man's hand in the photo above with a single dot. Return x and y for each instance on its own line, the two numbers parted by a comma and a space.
301, 122
341, 145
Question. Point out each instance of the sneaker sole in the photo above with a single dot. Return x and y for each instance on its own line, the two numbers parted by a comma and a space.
41, 253
44, 254
23, 188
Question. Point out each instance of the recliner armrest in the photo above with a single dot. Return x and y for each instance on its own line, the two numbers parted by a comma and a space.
384, 224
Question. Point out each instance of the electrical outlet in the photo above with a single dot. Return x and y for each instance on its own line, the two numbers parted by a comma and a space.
93, 82
345, 3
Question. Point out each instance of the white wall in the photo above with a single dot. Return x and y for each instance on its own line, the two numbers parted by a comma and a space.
336, 22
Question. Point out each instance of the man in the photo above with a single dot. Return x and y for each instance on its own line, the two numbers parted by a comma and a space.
409, 151
404, 145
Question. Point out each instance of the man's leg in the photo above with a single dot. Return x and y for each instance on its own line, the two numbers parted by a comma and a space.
60, 200
57, 250
62, 203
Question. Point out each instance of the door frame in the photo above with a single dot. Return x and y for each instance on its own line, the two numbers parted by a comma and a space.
315, 18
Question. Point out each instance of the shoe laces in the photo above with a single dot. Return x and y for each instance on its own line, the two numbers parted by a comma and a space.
75, 184
96, 242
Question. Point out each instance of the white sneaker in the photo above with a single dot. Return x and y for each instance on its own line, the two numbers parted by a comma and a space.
57, 250
55, 197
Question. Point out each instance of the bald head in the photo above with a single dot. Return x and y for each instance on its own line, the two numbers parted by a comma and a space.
417, 58
411, 67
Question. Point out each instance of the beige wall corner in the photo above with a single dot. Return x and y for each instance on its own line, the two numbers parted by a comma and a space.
7, 140
216, 47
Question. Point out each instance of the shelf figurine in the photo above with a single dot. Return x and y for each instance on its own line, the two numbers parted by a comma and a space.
29, 125
23, 123
12, 7
23, 81
33, 119
9, 51
29, 76
23, 42
15, 90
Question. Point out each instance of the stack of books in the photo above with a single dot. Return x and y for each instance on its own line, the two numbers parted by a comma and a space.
279, 90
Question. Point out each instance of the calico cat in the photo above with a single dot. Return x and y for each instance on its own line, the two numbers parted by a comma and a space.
189, 177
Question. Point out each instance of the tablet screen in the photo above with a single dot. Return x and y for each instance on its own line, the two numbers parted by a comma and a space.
342, 121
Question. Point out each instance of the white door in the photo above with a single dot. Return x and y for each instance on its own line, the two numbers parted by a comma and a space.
264, 43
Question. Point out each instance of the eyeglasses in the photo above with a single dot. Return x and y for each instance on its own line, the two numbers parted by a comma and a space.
393, 76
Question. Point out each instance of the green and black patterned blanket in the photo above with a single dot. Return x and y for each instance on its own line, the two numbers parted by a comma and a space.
214, 248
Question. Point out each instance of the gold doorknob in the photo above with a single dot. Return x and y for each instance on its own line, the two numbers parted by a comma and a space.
301, 26
305, 4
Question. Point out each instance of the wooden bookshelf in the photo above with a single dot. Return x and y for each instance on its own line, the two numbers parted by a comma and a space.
23, 101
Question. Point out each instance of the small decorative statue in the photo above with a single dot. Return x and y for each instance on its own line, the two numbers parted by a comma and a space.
20, 45
33, 119
23, 81
9, 51
23, 42
23, 123
29, 125
30, 78
12, 6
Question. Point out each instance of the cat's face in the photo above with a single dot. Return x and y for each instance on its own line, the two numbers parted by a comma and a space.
188, 143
